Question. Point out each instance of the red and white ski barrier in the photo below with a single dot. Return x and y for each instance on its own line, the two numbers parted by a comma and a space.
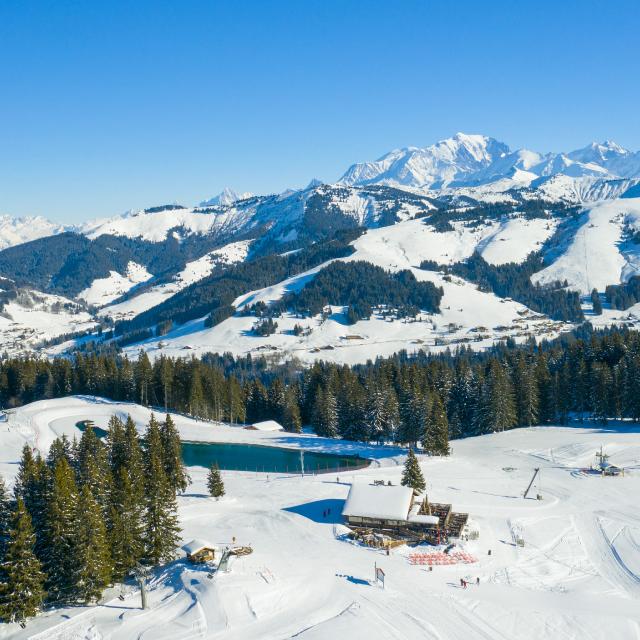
440, 558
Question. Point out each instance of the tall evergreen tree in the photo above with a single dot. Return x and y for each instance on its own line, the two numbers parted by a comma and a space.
93, 467
290, 412
92, 548
526, 392
325, 413
597, 304
498, 408
160, 519
436, 439
172, 456
5, 517
412, 474
214, 482
21, 579
61, 539
60, 448
126, 533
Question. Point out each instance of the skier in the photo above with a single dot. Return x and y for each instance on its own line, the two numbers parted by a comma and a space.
478, 581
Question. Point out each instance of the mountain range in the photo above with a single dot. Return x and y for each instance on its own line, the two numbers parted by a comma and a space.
470, 160
501, 235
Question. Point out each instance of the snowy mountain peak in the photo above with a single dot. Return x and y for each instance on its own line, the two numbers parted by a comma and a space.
472, 159
313, 183
15, 231
454, 159
226, 197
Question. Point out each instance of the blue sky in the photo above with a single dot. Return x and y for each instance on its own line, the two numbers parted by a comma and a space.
106, 106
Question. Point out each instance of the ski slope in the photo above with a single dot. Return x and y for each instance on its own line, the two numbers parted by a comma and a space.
577, 575
596, 250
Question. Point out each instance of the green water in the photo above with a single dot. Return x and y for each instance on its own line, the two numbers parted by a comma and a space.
252, 457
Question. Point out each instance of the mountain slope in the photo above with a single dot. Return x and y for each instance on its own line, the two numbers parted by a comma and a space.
597, 249
467, 315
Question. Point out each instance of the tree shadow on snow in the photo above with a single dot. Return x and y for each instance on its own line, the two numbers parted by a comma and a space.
328, 511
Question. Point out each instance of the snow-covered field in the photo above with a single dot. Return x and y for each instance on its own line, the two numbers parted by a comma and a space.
577, 576
104, 290
35, 316
596, 252
193, 272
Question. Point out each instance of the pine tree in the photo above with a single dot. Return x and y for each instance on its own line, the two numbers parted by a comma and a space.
26, 473
160, 519
376, 414
33, 486
60, 448
61, 530
5, 517
412, 475
22, 582
498, 409
436, 439
413, 408
197, 405
290, 413
116, 445
92, 548
526, 392
325, 413
126, 532
597, 304
214, 482
93, 467
172, 456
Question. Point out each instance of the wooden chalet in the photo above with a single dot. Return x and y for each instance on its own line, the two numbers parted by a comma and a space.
397, 512
199, 551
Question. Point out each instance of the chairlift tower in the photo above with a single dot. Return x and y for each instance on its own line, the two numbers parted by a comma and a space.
536, 474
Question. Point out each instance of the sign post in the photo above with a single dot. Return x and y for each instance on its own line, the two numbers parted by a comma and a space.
379, 574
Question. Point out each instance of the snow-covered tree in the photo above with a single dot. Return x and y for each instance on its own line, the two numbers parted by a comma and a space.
92, 555
412, 474
172, 456
21, 579
61, 535
161, 513
214, 482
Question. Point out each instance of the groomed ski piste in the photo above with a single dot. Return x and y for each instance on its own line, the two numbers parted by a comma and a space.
577, 575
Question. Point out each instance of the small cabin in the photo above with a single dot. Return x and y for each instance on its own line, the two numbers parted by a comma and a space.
199, 551
265, 425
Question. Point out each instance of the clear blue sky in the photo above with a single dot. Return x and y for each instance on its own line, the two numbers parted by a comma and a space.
106, 106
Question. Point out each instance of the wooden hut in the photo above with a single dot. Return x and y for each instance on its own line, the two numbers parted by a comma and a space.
199, 551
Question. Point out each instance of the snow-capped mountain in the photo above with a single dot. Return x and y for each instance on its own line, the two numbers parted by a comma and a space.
467, 160
15, 231
196, 271
226, 196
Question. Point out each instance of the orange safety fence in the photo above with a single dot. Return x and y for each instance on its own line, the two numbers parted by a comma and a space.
441, 558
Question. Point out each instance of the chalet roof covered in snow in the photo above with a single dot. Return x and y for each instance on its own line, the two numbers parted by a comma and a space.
267, 425
378, 501
196, 545
424, 519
